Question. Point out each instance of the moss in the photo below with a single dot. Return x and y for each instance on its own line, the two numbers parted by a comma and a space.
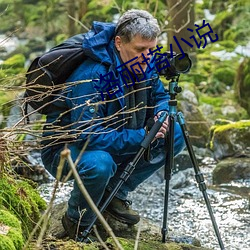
224, 75
16, 61
236, 125
13, 239
219, 103
128, 244
6, 243
10, 220
16, 237
228, 45
214, 101
60, 38
22, 200
13, 71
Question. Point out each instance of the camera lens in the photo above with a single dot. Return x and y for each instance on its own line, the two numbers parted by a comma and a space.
182, 64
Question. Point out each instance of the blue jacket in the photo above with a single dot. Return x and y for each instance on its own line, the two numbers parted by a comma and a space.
88, 117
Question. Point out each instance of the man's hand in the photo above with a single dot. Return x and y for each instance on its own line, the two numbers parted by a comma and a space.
164, 128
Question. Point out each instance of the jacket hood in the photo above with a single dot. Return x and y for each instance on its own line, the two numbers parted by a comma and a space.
98, 42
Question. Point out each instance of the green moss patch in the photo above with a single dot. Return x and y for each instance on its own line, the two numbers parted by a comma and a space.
10, 231
128, 244
22, 200
230, 138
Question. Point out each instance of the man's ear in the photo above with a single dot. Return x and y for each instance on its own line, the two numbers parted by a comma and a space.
118, 43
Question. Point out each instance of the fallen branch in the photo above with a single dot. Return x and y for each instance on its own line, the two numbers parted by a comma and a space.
66, 154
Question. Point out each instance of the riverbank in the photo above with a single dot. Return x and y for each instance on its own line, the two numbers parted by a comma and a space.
188, 215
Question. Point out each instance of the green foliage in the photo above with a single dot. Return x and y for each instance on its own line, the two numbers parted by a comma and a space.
242, 84
231, 19
16, 61
222, 22
12, 67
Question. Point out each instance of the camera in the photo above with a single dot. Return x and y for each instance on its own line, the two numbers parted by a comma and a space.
179, 64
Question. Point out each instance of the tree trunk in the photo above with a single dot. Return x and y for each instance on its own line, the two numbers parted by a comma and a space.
83, 7
181, 17
72, 13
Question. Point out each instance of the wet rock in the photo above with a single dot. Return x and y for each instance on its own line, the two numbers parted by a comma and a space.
197, 125
231, 169
31, 167
181, 179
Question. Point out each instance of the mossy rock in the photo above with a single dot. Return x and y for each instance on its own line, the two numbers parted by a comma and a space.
22, 200
232, 139
128, 244
150, 235
219, 107
10, 231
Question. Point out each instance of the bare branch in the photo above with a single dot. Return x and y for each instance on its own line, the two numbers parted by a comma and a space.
66, 154
79, 22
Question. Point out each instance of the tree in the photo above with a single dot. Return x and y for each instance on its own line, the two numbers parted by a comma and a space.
181, 16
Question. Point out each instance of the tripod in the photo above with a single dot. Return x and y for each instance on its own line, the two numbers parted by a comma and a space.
173, 90
169, 163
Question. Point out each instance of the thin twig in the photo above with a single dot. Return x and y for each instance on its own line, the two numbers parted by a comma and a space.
77, 21
99, 238
66, 154
137, 236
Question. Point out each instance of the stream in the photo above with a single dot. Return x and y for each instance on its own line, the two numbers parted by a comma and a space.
187, 212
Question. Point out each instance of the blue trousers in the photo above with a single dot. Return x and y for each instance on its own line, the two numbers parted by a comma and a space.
100, 170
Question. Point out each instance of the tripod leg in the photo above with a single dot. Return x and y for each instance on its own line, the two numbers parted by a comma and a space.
168, 173
199, 177
129, 169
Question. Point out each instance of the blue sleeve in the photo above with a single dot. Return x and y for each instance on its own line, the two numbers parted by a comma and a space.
88, 116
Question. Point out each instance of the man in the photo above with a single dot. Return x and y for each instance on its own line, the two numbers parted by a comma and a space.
112, 129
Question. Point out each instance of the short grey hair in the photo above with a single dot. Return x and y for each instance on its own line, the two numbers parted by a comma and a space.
137, 22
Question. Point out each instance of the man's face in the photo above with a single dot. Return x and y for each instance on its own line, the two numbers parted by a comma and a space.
133, 49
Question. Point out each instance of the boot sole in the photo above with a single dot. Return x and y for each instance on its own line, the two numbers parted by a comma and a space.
121, 219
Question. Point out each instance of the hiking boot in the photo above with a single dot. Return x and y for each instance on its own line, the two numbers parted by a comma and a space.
75, 231
121, 211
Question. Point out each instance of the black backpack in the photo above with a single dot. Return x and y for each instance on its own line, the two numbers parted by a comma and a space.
47, 74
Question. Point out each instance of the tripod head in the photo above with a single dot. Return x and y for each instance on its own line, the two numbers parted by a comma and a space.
174, 89
172, 67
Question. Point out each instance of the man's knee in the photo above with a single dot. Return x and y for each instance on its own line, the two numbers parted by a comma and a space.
97, 165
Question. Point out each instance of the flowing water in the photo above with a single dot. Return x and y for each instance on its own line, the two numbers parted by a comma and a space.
187, 212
